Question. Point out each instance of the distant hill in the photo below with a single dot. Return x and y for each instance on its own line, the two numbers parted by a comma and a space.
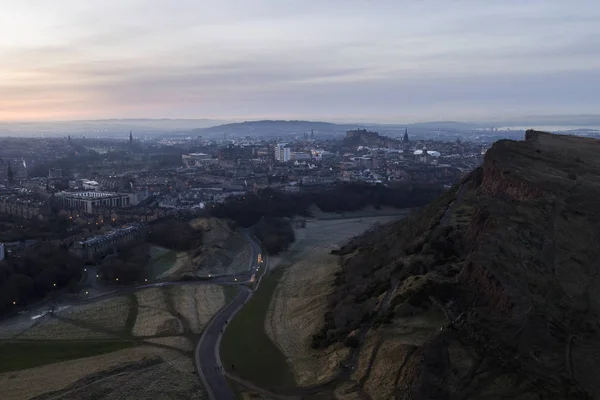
363, 137
104, 127
275, 128
283, 128
489, 292
214, 127
584, 120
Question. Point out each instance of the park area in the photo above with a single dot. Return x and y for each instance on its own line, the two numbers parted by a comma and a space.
268, 341
144, 335
300, 299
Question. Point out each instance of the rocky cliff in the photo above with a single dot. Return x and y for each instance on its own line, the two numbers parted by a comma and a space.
489, 292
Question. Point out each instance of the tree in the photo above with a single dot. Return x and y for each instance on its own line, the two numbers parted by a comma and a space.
276, 234
175, 235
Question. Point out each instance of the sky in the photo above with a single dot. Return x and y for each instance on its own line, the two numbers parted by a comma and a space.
334, 60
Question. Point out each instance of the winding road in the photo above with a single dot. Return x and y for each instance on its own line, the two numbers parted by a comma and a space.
207, 358
208, 361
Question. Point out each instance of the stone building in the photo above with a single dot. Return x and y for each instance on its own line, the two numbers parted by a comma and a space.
21, 207
89, 201
99, 246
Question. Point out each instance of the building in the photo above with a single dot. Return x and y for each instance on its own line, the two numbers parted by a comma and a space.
99, 246
115, 183
90, 185
194, 159
316, 181
299, 156
234, 153
23, 207
426, 156
320, 154
366, 162
88, 201
283, 153
55, 173
1, 251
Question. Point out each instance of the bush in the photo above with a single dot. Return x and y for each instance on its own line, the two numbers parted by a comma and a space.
129, 265
33, 276
248, 209
354, 196
276, 234
175, 235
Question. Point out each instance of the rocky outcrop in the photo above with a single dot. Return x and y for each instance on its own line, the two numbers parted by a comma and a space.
493, 286
505, 183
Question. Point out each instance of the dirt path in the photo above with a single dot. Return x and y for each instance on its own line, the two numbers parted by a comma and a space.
452, 206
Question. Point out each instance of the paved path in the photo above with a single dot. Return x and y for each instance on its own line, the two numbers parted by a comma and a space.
208, 361
207, 358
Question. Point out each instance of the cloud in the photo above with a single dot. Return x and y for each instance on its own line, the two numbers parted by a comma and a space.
387, 59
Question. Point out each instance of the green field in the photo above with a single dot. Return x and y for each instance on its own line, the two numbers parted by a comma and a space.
246, 345
21, 355
161, 260
230, 292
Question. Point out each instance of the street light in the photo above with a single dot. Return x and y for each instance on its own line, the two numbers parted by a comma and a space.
14, 303
85, 270
54, 284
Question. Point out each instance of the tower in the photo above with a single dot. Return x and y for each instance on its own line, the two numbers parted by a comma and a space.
405, 140
312, 134
130, 138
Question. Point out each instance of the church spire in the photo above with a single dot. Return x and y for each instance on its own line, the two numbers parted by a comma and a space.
130, 137
406, 134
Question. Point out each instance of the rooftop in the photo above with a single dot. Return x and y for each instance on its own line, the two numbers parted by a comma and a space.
111, 235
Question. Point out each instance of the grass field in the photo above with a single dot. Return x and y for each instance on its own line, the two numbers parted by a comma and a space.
300, 300
230, 293
85, 342
22, 355
171, 379
246, 345
162, 260
104, 319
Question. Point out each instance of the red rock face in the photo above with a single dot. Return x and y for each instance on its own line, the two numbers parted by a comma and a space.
492, 292
505, 184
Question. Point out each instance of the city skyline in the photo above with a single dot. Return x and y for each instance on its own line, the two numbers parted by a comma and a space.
376, 61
